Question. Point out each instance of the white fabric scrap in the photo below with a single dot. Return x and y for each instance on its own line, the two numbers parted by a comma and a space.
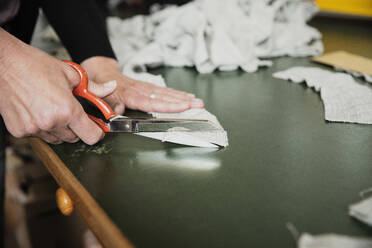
362, 211
344, 99
197, 139
333, 241
216, 34
364, 76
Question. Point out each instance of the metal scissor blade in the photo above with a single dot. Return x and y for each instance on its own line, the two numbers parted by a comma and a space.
136, 125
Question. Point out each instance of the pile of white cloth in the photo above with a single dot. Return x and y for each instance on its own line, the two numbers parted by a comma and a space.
216, 34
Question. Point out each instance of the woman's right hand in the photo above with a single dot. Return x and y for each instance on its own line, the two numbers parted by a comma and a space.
36, 95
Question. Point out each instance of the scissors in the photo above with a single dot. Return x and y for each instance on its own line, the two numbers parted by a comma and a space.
119, 123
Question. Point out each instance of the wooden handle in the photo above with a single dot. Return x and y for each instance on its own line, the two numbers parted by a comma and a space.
64, 202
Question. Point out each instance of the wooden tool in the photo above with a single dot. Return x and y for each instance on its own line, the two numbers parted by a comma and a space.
64, 202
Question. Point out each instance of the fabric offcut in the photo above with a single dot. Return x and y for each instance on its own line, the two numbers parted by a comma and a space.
197, 139
196, 34
354, 64
364, 76
333, 241
362, 211
344, 99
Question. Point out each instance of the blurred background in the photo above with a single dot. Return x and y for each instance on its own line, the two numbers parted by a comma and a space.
361, 8
346, 8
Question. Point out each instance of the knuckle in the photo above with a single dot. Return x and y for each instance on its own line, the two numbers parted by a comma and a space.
131, 102
70, 139
65, 112
47, 124
54, 141
74, 140
31, 129
50, 140
71, 75
97, 135
18, 133
94, 139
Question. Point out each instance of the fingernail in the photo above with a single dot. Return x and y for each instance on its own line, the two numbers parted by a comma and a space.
190, 95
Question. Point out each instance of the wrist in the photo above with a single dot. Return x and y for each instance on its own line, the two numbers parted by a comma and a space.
13, 53
9, 47
101, 69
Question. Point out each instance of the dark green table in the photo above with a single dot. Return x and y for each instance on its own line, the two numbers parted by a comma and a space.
285, 163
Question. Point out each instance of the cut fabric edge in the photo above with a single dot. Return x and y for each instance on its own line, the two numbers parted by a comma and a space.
215, 139
333, 240
362, 211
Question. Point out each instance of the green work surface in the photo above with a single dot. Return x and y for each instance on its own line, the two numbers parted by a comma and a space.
285, 163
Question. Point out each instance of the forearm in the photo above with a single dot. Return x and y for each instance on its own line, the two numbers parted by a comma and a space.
18, 57
10, 47
7, 43
80, 26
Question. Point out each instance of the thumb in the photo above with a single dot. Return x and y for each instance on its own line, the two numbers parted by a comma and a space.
102, 90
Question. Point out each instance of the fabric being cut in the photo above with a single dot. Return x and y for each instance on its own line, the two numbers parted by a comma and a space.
333, 241
197, 139
200, 139
344, 99
362, 211
194, 34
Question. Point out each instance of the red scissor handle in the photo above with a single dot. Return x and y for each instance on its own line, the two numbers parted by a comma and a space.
82, 91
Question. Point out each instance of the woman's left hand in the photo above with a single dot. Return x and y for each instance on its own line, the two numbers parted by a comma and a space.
135, 94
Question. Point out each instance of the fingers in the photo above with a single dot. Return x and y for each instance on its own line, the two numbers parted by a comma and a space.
167, 94
105, 90
197, 103
136, 95
65, 134
178, 94
119, 109
16, 124
141, 102
147, 89
49, 138
71, 75
102, 90
86, 129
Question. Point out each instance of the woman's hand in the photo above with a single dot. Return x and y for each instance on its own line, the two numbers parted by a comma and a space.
36, 95
135, 94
